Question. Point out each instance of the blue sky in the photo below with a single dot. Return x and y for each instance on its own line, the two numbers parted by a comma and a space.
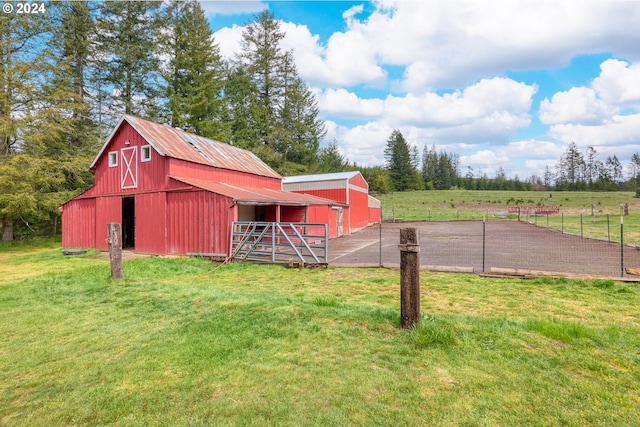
504, 84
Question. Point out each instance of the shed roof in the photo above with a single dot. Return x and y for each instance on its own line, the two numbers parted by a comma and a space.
320, 177
178, 144
257, 195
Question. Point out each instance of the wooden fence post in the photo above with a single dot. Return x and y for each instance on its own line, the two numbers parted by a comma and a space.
409, 278
115, 249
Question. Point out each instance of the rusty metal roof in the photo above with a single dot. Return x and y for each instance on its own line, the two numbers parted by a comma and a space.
178, 144
256, 195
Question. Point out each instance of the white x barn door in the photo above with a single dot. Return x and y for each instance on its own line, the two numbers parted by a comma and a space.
129, 167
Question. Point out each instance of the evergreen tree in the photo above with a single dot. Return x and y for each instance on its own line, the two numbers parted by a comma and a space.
21, 64
330, 160
634, 170
398, 162
591, 169
548, 178
300, 129
265, 62
615, 169
29, 192
241, 109
430, 167
65, 88
195, 73
127, 41
286, 112
574, 166
378, 179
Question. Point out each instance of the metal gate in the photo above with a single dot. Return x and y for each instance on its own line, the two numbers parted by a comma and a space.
279, 243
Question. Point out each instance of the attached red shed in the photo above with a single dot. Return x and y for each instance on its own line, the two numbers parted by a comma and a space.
178, 193
349, 188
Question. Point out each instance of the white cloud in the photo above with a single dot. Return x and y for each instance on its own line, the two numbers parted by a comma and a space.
228, 39
485, 161
365, 143
619, 83
615, 131
534, 149
577, 105
449, 43
491, 109
347, 104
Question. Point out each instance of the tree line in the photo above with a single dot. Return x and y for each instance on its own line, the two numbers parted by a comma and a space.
67, 76
439, 170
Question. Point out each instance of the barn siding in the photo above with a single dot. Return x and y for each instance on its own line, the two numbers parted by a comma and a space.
321, 214
150, 211
108, 209
81, 215
198, 222
359, 181
293, 214
182, 168
358, 210
337, 194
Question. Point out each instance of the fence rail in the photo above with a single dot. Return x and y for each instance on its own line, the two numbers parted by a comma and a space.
279, 243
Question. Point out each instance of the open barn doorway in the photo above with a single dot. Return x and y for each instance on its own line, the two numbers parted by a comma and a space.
128, 222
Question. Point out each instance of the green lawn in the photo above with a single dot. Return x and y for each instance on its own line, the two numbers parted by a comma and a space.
181, 342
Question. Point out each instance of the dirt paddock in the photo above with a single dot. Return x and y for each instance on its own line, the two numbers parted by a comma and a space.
497, 246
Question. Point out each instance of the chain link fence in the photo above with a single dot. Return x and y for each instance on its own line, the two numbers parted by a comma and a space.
598, 245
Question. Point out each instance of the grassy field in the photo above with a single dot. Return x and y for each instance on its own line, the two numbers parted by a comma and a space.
590, 214
180, 341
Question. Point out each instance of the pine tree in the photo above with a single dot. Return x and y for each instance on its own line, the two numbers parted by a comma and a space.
21, 63
301, 130
127, 41
241, 109
285, 110
195, 73
65, 88
574, 166
330, 160
264, 61
398, 162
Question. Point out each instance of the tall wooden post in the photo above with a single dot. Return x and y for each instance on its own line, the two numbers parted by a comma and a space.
115, 249
409, 278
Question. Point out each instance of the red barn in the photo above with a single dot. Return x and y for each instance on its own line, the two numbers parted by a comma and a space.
178, 193
348, 188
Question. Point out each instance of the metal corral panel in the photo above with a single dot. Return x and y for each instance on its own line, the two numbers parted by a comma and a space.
150, 223
178, 144
108, 209
198, 222
78, 224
